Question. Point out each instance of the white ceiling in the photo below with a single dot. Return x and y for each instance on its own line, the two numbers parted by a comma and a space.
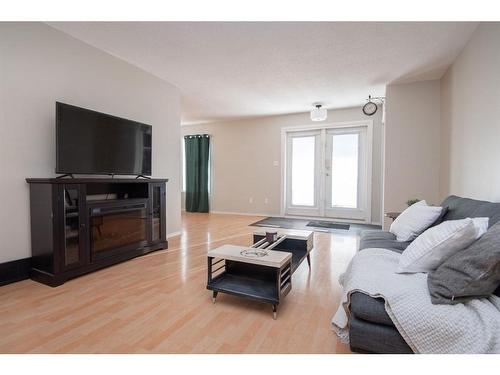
244, 69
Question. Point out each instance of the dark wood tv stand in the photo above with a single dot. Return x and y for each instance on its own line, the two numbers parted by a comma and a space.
80, 225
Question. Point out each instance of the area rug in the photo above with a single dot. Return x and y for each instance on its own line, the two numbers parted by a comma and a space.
302, 224
328, 224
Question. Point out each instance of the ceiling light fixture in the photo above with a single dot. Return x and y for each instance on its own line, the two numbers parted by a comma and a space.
318, 113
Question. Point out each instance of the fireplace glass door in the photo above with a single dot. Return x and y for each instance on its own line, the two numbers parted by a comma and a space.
117, 231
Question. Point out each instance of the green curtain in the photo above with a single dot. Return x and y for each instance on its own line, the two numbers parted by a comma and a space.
197, 172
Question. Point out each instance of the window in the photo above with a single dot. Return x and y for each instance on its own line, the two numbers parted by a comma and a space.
303, 164
344, 174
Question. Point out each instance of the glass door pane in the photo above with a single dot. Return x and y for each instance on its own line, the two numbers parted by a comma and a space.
303, 161
303, 170
345, 173
71, 226
344, 170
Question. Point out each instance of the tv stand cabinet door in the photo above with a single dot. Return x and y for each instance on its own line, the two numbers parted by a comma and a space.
73, 226
158, 212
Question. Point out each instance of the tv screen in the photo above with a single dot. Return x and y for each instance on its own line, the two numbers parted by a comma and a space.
90, 142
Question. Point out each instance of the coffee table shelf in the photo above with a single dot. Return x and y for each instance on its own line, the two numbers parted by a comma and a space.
248, 287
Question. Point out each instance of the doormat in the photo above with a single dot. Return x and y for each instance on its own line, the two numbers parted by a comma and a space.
328, 224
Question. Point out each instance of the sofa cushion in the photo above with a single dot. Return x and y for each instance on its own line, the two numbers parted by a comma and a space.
375, 338
381, 239
461, 208
369, 309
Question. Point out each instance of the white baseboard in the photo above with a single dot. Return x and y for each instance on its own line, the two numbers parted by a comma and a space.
330, 219
241, 213
173, 234
294, 217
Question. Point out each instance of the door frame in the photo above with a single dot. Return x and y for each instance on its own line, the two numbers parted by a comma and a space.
368, 123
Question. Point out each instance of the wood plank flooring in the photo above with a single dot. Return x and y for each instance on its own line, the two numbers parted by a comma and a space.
158, 303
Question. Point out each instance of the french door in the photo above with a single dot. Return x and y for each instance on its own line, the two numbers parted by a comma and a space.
326, 173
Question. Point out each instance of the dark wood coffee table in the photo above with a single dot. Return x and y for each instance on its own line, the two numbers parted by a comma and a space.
262, 272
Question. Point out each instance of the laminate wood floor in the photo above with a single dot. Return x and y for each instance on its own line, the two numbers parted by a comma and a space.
158, 303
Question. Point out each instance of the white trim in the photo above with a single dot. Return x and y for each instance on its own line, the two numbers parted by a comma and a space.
342, 124
241, 213
382, 163
183, 167
173, 234
334, 220
330, 219
368, 123
283, 169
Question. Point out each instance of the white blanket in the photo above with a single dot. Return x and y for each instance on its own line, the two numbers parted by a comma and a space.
472, 327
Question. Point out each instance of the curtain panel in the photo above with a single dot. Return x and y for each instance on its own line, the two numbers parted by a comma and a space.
197, 148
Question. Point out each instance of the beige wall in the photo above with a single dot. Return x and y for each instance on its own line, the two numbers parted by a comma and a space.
243, 153
412, 144
39, 65
471, 118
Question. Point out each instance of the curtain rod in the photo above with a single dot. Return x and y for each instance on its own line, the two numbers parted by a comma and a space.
197, 135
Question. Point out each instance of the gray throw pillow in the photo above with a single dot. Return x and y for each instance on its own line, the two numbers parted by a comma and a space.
471, 273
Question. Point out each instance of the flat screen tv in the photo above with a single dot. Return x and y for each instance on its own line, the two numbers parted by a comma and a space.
90, 142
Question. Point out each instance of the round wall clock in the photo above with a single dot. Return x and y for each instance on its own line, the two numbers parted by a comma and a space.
370, 108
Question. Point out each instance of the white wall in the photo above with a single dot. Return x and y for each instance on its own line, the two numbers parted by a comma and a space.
243, 152
412, 144
470, 158
38, 66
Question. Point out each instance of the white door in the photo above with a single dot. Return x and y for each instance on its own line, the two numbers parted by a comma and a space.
303, 173
327, 173
346, 173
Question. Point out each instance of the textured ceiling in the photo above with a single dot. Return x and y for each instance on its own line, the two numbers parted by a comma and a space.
244, 69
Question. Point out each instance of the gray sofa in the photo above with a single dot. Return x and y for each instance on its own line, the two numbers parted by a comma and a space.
371, 329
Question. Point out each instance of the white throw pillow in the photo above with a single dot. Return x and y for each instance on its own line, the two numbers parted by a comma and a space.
414, 220
437, 244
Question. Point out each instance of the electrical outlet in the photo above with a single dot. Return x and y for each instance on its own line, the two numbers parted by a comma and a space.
275, 163
266, 201
250, 200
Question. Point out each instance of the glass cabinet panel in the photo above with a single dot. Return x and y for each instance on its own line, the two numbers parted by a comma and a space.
156, 213
71, 226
